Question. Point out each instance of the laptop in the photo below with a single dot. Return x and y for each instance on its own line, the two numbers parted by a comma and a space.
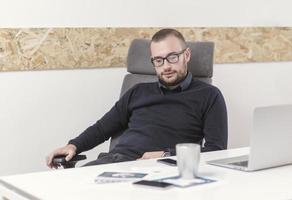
270, 141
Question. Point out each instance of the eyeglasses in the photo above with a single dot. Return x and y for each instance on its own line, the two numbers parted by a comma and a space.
171, 58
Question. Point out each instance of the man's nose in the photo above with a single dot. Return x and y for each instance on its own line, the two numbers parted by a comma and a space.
166, 65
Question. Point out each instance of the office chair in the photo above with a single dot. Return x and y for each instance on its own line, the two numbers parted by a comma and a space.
140, 68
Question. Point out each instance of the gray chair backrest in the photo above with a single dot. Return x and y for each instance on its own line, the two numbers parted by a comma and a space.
141, 69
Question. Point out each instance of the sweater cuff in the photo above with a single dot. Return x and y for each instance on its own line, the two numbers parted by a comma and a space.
171, 151
78, 149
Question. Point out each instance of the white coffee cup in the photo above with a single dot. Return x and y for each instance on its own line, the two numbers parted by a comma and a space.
188, 159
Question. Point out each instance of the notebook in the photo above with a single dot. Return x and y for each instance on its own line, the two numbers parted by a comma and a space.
270, 141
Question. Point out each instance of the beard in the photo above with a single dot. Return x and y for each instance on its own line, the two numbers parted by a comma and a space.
171, 78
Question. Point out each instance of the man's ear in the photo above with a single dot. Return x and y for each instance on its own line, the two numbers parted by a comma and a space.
188, 54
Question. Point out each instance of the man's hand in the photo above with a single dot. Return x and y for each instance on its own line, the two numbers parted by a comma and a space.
152, 154
69, 151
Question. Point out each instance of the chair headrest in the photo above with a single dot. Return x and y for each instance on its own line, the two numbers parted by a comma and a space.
200, 65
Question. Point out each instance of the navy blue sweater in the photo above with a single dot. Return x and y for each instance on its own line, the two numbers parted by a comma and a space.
153, 120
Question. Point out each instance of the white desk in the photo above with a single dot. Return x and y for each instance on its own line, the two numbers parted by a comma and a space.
275, 183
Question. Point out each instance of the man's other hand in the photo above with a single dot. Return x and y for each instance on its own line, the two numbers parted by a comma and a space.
152, 154
69, 151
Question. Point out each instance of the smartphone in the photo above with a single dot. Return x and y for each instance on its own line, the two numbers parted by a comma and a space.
167, 161
153, 183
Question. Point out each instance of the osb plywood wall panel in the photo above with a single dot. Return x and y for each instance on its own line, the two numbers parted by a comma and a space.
67, 48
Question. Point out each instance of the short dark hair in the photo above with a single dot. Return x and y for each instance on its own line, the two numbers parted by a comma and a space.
163, 33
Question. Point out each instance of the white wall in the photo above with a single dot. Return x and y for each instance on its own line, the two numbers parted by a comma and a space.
144, 13
246, 86
41, 110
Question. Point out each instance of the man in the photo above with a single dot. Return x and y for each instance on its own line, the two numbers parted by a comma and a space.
157, 116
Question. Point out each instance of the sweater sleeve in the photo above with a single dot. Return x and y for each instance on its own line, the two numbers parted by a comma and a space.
114, 121
215, 124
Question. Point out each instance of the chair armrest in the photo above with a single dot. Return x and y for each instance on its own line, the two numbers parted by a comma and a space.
68, 164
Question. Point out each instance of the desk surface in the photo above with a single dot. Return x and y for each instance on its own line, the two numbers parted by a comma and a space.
275, 183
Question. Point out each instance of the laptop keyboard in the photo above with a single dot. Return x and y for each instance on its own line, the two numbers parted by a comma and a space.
240, 163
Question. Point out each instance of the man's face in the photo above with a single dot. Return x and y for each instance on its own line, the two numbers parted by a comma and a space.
170, 73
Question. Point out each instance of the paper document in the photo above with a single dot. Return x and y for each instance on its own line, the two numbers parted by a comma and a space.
177, 181
113, 177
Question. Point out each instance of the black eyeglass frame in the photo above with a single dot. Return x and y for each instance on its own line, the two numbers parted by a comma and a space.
167, 56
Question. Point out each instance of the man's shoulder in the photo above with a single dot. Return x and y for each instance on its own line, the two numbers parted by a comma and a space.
141, 88
146, 85
199, 84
